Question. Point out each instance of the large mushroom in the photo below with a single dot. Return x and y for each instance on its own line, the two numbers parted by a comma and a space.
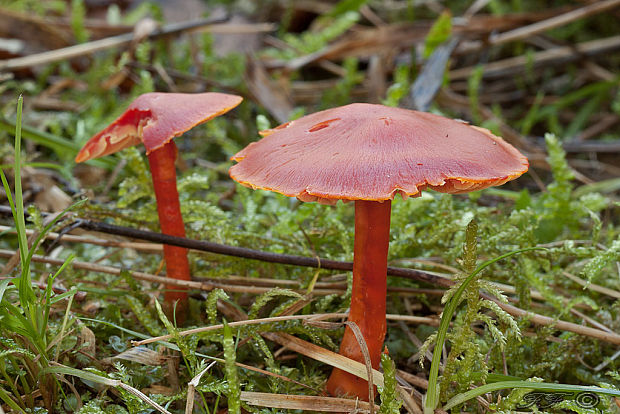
155, 119
367, 154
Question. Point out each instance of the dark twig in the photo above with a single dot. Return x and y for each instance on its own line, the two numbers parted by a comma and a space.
243, 252
246, 253
591, 146
330, 264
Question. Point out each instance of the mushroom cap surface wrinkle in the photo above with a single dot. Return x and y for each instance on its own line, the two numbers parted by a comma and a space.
373, 152
156, 118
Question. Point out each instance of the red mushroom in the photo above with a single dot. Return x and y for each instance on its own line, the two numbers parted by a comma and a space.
367, 154
155, 119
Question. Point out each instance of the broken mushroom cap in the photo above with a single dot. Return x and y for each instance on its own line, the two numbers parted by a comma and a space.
373, 152
155, 119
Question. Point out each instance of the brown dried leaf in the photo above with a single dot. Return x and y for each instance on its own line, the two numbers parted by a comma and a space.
158, 389
52, 198
141, 355
39, 34
271, 96
87, 341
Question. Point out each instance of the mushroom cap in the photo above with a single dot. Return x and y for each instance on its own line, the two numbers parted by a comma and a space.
156, 118
372, 152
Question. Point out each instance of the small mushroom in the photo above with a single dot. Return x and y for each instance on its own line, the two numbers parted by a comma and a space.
155, 119
367, 154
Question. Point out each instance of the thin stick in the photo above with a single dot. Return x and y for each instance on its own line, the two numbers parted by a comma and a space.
544, 25
147, 247
364, 348
318, 316
591, 321
207, 286
237, 323
127, 38
592, 286
591, 146
254, 254
328, 288
249, 285
555, 55
512, 310
235, 251
556, 21
557, 324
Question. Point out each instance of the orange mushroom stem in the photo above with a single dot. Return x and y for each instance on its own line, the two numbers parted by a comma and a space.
372, 236
368, 154
163, 172
155, 119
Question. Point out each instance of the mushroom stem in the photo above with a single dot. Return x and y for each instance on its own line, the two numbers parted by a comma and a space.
162, 163
372, 236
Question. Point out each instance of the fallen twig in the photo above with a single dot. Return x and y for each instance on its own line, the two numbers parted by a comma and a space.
297, 260
556, 323
148, 247
318, 316
122, 40
556, 55
541, 26
254, 254
235, 285
593, 286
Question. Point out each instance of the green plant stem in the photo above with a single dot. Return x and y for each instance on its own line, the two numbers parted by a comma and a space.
10, 381
20, 224
26, 388
61, 146
234, 391
431, 399
36, 164
542, 386
9, 401
48, 295
64, 327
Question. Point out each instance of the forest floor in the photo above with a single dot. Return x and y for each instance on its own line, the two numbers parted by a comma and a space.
529, 272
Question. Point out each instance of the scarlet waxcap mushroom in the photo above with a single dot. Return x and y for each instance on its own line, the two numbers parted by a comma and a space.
368, 154
155, 119
372, 152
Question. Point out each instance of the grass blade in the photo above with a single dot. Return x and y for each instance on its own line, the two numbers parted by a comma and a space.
234, 392
541, 386
59, 145
432, 396
89, 376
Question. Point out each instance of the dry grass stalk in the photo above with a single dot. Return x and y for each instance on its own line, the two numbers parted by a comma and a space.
364, 348
207, 286
338, 361
543, 25
310, 318
148, 247
537, 319
306, 402
89, 48
233, 324
556, 55
191, 389
592, 286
